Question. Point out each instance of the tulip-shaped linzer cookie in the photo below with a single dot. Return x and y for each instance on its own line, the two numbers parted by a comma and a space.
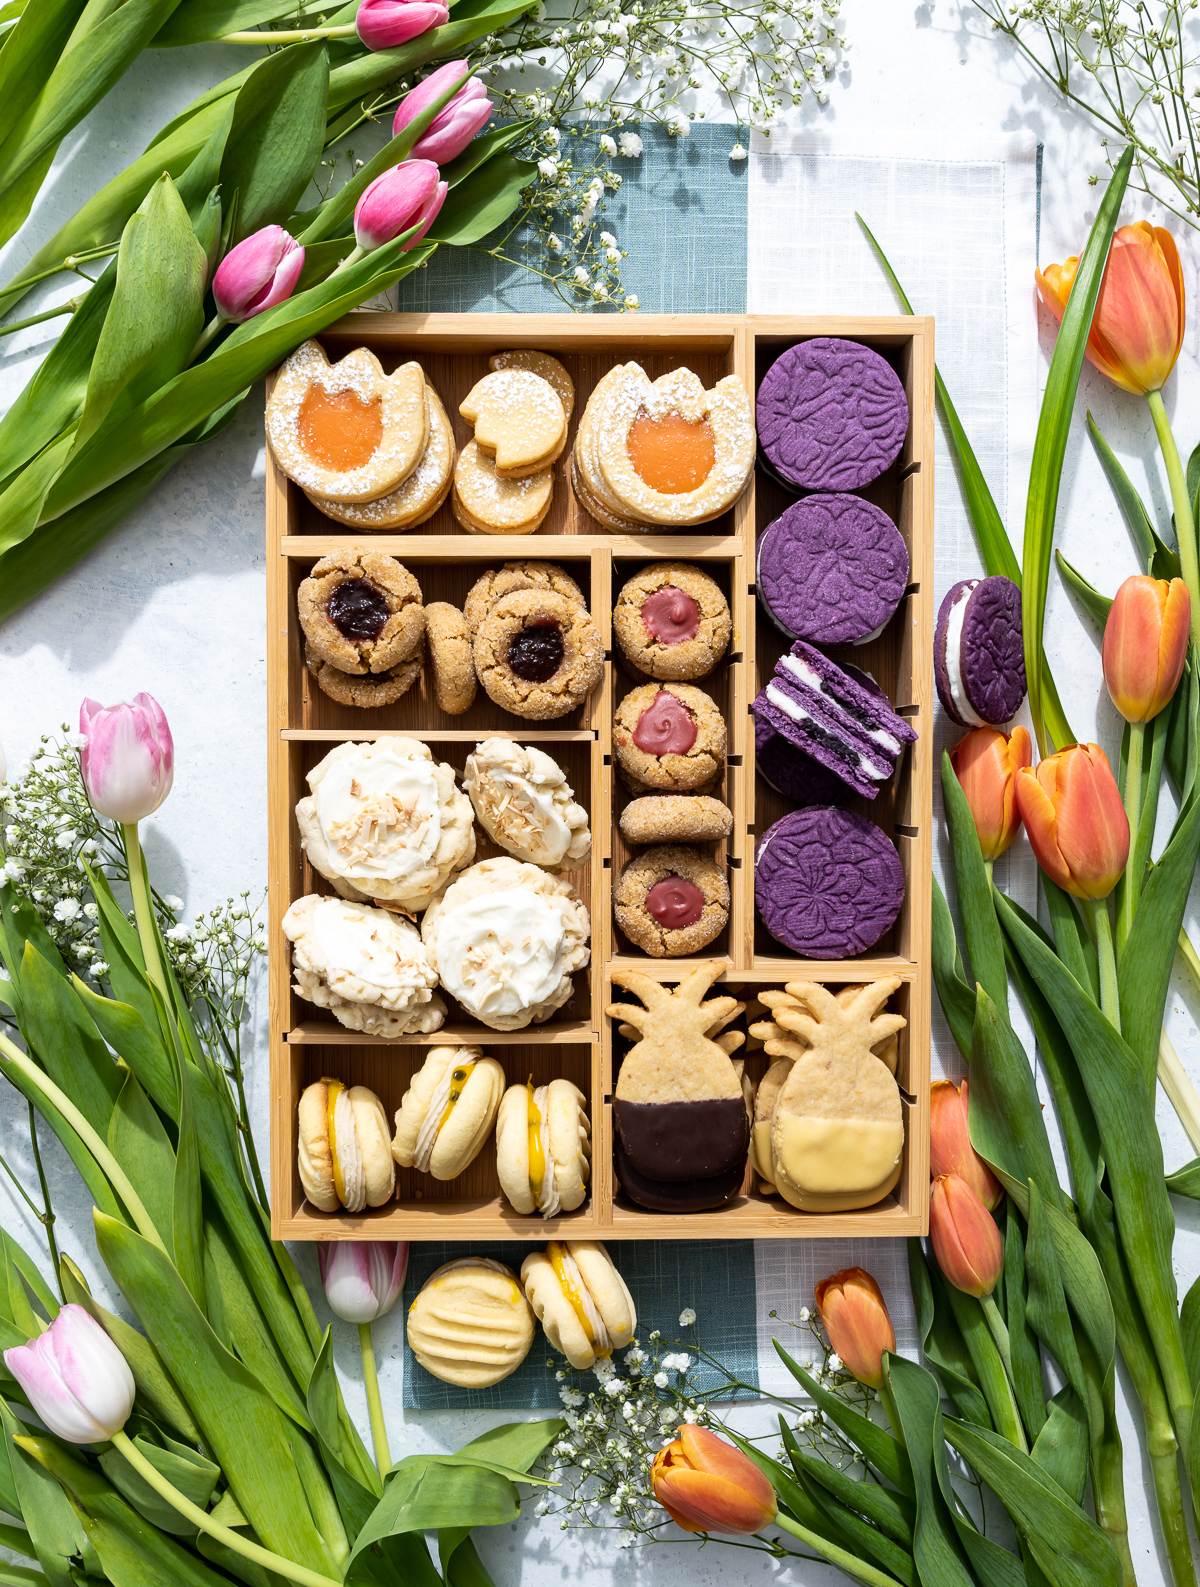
837, 1131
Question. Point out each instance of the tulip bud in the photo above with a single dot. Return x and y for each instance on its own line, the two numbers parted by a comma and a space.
407, 195
384, 24
448, 134
1075, 821
128, 759
1137, 329
1145, 645
76, 1379
965, 1238
707, 1485
256, 275
950, 1149
362, 1278
986, 763
855, 1318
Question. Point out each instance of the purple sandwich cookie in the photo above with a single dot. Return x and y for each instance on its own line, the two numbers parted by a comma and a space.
831, 570
791, 772
978, 652
831, 415
827, 883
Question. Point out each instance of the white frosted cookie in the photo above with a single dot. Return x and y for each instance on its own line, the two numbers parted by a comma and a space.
339, 1133
580, 1300
544, 1147
504, 939
347, 431
543, 364
419, 496
679, 402
386, 822
368, 967
486, 504
448, 1111
519, 421
526, 805
470, 1324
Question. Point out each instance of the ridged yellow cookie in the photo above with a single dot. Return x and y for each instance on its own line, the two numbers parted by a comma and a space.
470, 1324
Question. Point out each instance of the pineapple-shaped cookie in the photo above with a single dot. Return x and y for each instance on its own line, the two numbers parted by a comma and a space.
679, 1107
836, 1128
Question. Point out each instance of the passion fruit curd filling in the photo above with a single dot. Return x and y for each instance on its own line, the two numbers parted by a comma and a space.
670, 616
665, 727
441, 1105
357, 609
671, 454
339, 430
571, 1282
333, 1091
535, 653
675, 902
537, 1157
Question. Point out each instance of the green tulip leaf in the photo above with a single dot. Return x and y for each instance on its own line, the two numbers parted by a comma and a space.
238, 1321
892, 1515
864, 1540
1026, 1363
955, 996
193, 1475
1189, 1322
1141, 526
880, 1449
1046, 1308
131, 1038
943, 1344
90, 1171
139, 1142
277, 135
985, 945
1005, 1115
24, 499
1061, 1448
200, 21
483, 147
54, 1527
482, 201
1072, 942
938, 1553
461, 1564
425, 1492
31, 51
187, 1212
20, 923
1185, 1181
1096, 607
357, 1494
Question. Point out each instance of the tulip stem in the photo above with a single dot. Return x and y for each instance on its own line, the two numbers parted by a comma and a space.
206, 336
201, 1519
144, 911
383, 1455
999, 1331
1133, 810
287, 35
888, 1401
1185, 528
1110, 1001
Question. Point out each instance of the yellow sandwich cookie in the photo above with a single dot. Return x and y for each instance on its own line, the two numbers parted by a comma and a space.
344, 1152
470, 1324
544, 1147
580, 1299
448, 1111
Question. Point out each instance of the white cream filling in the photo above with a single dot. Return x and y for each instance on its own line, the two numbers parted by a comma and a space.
954, 628
349, 1156
601, 1343
380, 814
430, 1125
798, 714
800, 669
502, 952
549, 1201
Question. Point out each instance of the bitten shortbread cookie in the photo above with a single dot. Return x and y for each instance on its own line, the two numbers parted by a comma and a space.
519, 421
368, 967
470, 1324
385, 823
580, 1299
544, 1147
447, 1112
486, 503
543, 364
526, 805
347, 431
343, 1151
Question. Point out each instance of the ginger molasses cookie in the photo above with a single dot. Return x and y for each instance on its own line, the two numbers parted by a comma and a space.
671, 621
669, 738
361, 611
671, 900
675, 818
496, 583
538, 654
371, 691
487, 504
448, 644
419, 496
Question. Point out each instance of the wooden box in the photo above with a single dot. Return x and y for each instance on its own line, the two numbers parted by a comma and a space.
580, 1042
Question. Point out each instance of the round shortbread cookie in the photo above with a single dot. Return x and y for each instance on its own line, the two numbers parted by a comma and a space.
448, 646
420, 495
493, 505
470, 1324
543, 364
519, 420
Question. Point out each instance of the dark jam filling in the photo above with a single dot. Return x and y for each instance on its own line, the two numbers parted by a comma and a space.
535, 654
357, 610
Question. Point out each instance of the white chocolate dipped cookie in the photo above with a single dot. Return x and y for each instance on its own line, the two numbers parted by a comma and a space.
526, 805
519, 421
419, 496
544, 1148
339, 1133
386, 823
543, 364
580, 1299
470, 1324
486, 504
504, 939
368, 967
347, 431
448, 1111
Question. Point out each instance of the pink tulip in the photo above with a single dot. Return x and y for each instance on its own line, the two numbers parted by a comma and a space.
128, 759
256, 275
362, 1278
77, 1380
407, 195
448, 134
383, 24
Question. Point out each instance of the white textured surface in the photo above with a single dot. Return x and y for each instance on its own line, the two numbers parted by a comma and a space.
174, 603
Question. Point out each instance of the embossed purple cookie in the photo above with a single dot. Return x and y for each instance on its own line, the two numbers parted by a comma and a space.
827, 883
831, 415
791, 772
978, 652
831, 570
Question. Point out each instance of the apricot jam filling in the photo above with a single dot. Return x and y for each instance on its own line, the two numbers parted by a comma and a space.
339, 430
671, 454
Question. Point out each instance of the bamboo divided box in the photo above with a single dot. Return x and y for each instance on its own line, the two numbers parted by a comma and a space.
581, 1042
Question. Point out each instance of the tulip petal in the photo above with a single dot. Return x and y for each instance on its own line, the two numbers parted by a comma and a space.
713, 1503
76, 1379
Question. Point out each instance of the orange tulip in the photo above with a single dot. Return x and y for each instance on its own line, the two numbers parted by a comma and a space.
950, 1149
1075, 820
965, 1238
986, 763
1145, 643
1137, 329
707, 1485
855, 1316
